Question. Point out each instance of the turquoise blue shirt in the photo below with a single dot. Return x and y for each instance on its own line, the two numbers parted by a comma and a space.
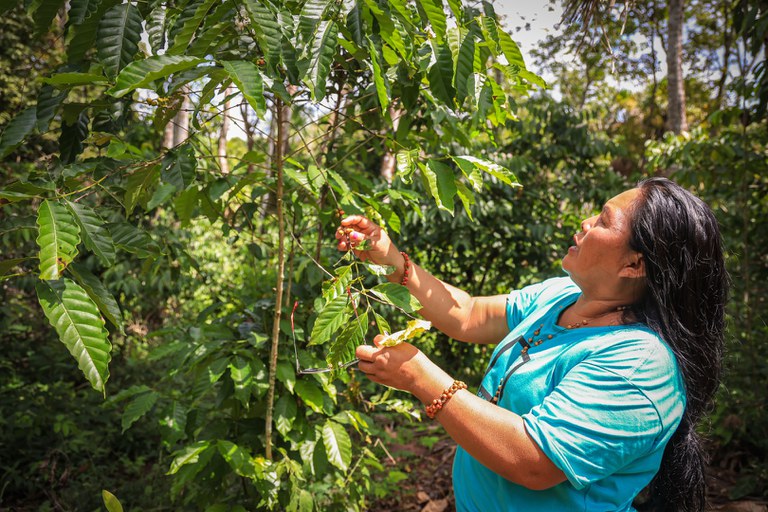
601, 402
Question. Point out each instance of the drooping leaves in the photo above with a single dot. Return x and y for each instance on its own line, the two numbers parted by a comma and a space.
98, 293
321, 53
138, 407
93, 232
440, 75
469, 163
132, 239
118, 37
17, 130
179, 166
335, 314
338, 445
342, 348
138, 187
72, 137
285, 413
436, 16
80, 327
58, 237
189, 454
397, 295
442, 185
246, 76
191, 24
267, 29
310, 393
140, 74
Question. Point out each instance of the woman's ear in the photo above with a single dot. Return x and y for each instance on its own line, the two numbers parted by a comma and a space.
634, 268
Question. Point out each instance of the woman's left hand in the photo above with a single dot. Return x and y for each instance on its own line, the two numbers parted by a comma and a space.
401, 366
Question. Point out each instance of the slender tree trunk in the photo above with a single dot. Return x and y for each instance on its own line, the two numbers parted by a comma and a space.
676, 120
221, 153
278, 166
389, 161
727, 41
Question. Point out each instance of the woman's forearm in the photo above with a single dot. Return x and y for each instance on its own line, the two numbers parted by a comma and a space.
453, 311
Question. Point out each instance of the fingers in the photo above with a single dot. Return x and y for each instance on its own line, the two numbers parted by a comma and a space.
348, 238
377, 340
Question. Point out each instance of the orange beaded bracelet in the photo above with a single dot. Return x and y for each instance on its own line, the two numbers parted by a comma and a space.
438, 403
406, 268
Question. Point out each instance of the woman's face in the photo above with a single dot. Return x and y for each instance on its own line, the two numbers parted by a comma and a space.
601, 249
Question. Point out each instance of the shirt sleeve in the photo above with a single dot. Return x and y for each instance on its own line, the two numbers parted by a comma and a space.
520, 303
593, 423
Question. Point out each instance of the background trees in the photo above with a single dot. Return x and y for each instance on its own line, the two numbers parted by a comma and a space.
190, 276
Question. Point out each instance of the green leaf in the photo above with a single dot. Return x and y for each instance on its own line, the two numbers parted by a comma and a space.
15, 131
355, 24
532, 77
6, 266
58, 237
311, 14
338, 445
72, 79
187, 455
72, 137
311, 394
173, 423
43, 12
468, 163
48, 102
379, 79
321, 53
440, 75
510, 49
179, 167
140, 74
191, 24
246, 76
80, 327
267, 29
397, 295
111, 502
285, 414
138, 186
335, 314
93, 232
467, 198
286, 374
238, 459
83, 35
442, 184
465, 64
242, 377
138, 407
79, 10
98, 293
161, 195
155, 26
185, 204
132, 239
436, 16
342, 348
117, 39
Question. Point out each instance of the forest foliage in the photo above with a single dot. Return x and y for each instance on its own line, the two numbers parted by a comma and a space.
192, 278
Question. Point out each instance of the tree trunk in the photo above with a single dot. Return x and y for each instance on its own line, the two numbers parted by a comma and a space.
676, 120
221, 153
727, 40
278, 166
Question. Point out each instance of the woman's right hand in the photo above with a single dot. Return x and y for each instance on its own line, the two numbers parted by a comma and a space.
380, 250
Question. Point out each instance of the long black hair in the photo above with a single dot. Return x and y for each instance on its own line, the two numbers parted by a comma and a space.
684, 302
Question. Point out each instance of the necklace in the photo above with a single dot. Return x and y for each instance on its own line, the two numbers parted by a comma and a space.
532, 342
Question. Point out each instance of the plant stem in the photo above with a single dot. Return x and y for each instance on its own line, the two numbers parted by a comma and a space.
278, 162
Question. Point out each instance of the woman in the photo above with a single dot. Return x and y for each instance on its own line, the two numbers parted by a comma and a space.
598, 379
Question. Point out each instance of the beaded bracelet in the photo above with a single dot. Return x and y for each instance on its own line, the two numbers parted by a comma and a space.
438, 403
406, 268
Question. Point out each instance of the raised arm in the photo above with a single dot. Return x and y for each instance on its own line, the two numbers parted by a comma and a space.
451, 310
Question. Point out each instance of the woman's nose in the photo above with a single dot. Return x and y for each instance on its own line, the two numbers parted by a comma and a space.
586, 224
